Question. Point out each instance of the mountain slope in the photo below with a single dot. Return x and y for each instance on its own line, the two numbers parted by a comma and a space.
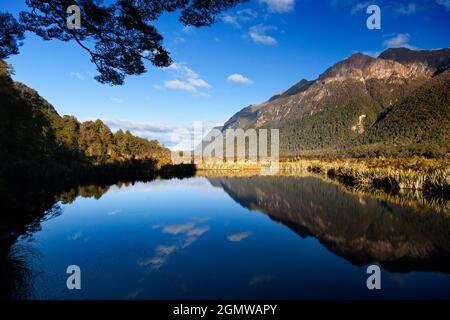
352, 103
422, 117
35, 139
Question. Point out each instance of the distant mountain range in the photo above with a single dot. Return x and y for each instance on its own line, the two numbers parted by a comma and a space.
395, 104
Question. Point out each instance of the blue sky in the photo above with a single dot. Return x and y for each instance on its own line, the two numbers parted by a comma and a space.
255, 50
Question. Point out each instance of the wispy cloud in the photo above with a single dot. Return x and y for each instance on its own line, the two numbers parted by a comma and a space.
239, 78
179, 40
186, 79
240, 17
445, 3
114, 212
183, 236
399, 40
247, 14
170, 136
238, 237
258, 34
77, 75
188, 29
173, 137
116, 124
115, 100
179, 85
360, 6
74, 237
279, 6
230, 19
407, 9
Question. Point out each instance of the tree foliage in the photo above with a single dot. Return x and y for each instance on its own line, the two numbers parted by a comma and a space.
35, 140
118, 37
11, 34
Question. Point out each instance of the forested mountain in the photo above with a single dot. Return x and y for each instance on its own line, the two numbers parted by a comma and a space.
35, 139
397, 104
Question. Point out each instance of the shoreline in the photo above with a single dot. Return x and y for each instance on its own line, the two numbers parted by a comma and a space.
415, 182
431, 176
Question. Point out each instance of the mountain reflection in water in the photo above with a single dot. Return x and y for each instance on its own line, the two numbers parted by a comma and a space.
359, 229
210, 238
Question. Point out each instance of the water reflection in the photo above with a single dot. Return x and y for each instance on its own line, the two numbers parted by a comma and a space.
183, 235
360, 229
24, 208
206, 238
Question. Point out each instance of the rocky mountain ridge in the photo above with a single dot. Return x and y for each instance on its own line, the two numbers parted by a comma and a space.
339, 108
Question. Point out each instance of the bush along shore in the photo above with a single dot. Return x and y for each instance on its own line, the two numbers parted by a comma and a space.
141, 170
430, 176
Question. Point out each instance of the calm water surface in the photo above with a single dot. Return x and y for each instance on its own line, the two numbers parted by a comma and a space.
226, 238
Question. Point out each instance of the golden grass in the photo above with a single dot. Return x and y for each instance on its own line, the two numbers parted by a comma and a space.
414, 173
416, 182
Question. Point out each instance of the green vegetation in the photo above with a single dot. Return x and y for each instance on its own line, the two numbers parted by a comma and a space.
421, 117
397, 105
36, 142
417, 124
331, 127
114, 34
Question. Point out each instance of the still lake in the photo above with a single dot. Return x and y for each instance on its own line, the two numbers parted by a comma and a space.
236, 238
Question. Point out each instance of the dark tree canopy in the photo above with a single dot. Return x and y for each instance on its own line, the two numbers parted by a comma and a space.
11, 33
118, 37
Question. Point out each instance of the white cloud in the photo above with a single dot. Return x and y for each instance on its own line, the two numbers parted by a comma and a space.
116, 124
203, 94
115, 100
239, 78
180, 70
400, 40
229, 19
187, 29
114, 212
199, 83
183, 236
189, 85
240, 17
179, 40
258, 34
279, 6
238, 237
247, 13
77, 75
74, 237
360, 7
179, 85
173, 137
445, 3
408, 9
186, 79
